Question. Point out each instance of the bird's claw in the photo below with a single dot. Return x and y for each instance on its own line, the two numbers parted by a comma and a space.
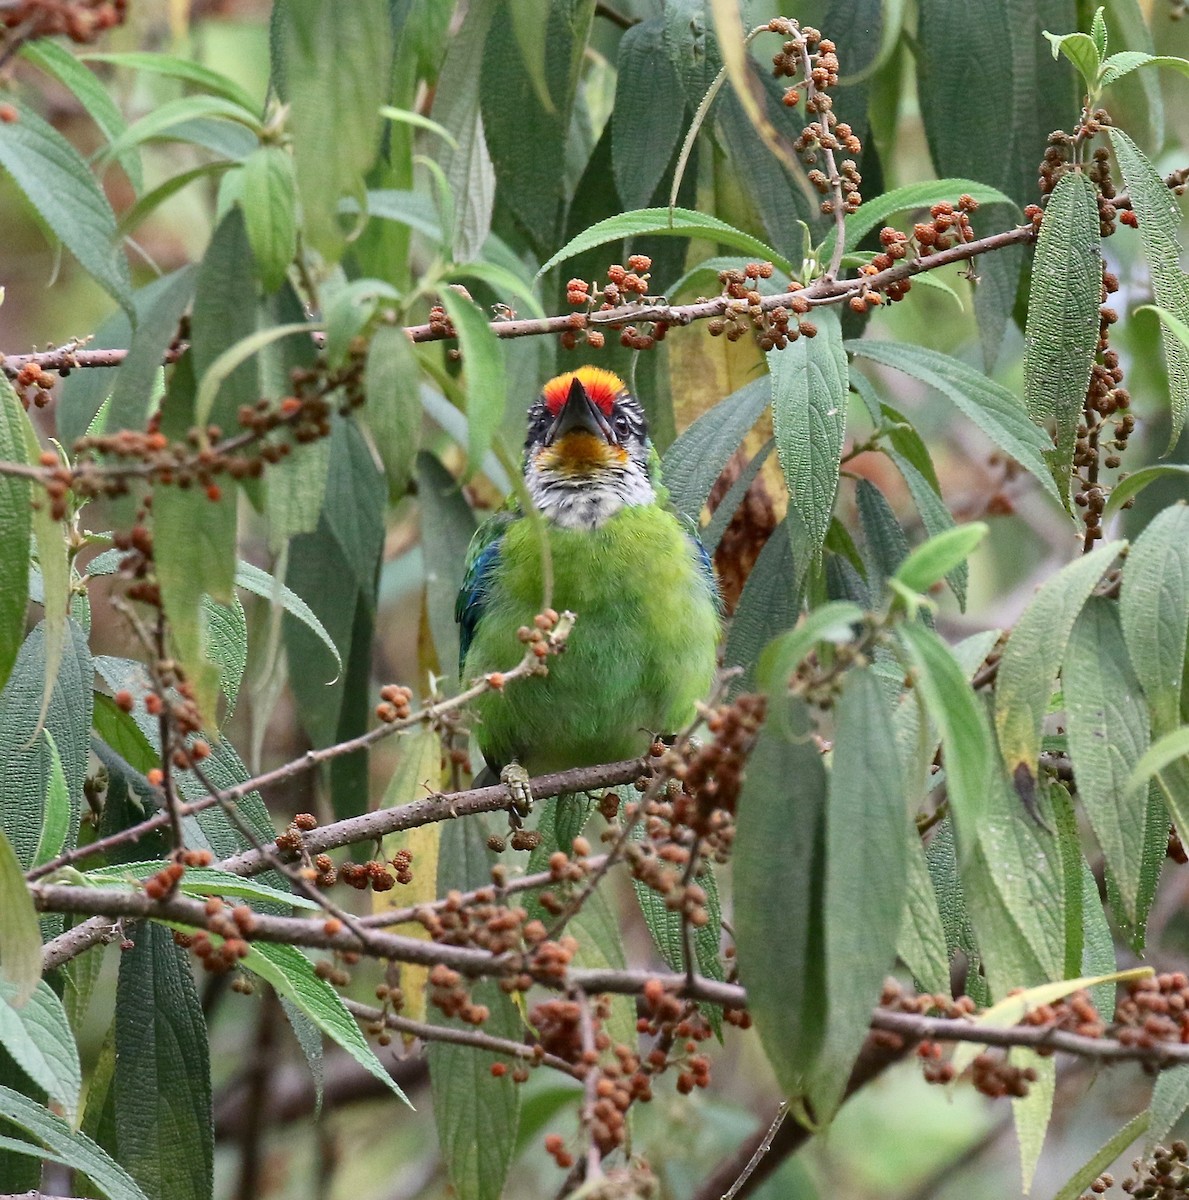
516, 779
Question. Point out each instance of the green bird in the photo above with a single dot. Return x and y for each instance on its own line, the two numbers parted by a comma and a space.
643, 649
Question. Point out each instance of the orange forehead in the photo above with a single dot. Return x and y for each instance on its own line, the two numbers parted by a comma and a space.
601, 386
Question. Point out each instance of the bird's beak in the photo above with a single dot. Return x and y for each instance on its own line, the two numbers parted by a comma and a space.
579, 414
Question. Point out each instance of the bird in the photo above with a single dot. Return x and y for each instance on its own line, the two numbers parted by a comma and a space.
643, 649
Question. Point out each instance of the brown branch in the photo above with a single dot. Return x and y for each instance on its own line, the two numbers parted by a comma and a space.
461, 1037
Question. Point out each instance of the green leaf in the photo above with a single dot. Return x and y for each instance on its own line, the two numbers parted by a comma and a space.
729, 505
476, 1113
76, 1148
486, 384
809, 397
138, 378
954, 709
227, 640
50, 538
1159, 221
16, 530
148, 203
337, 59
696, 459
20, 933
995, 410
1080, 49
1033, 1111
25, 764
162, 120
81, 82
875, 212
292, 975
1063, 316
1126, 61
1033, 654
501, 280
1154, 612
456, 106
54, 178
268, 196
162, 1075
674, 222
1161, 755
866, 877
235, 356
224, 315
1107, 733
921, 944
194, 546
1086, 1174
1137, 481
779, 879
201, 881
832, 622
934, 559
405, 116
260, 583
185, 69
1098, 33
37, 1036
349, 311
392, 384
649, 110
1170, 1099
770, 599
55, 821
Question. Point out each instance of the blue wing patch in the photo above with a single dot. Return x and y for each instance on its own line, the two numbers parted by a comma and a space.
482, 558
704, 563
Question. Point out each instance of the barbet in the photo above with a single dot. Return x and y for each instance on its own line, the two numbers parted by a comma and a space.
643, 649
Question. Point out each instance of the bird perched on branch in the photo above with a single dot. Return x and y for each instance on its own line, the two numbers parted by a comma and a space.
643, 648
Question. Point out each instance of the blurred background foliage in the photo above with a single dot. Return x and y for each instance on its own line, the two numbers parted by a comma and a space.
899, 1138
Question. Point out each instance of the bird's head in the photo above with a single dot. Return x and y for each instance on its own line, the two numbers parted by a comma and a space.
587, 451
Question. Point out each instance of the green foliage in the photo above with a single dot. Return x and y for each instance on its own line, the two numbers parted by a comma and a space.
368, 256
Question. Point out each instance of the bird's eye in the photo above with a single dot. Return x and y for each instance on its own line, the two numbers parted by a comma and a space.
623, 427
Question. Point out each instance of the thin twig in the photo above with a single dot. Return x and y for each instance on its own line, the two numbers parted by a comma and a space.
761, 1150
594, 1158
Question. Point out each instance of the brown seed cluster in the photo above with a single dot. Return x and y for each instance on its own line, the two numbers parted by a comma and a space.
745, 310
82, 21
812, 62
626, 285
1163, 1176
1154, 1010
394, 703
233, 926
165, 882
33, 383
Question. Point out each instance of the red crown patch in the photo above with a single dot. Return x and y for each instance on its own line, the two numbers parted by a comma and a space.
602, 386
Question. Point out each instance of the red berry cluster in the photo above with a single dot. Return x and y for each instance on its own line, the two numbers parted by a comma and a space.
164, 882
624, 286
80, 20
394, 703
745, 310
232, 926
814, 59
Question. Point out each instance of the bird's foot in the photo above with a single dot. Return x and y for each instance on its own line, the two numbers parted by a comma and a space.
520, 797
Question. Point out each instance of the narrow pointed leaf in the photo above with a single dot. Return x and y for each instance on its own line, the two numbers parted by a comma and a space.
201, 881
162, 1073
1159, 221
1126, 61
1080, 49
336, 58
833, 622
1032, 1112
393, 411
75, 1148
1086, 1174
50, 172
1154, 612
16, 530
485, 374
1034, 652
960, 720
865, 877
995, 410
668, 222
184, 69
20, 933
933, 560
1107, 726
921, 943
269, 200
292, 975
1063, 316
55, 820
1138, 480
779, 867
260, 583
1170, 1099
809, 398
